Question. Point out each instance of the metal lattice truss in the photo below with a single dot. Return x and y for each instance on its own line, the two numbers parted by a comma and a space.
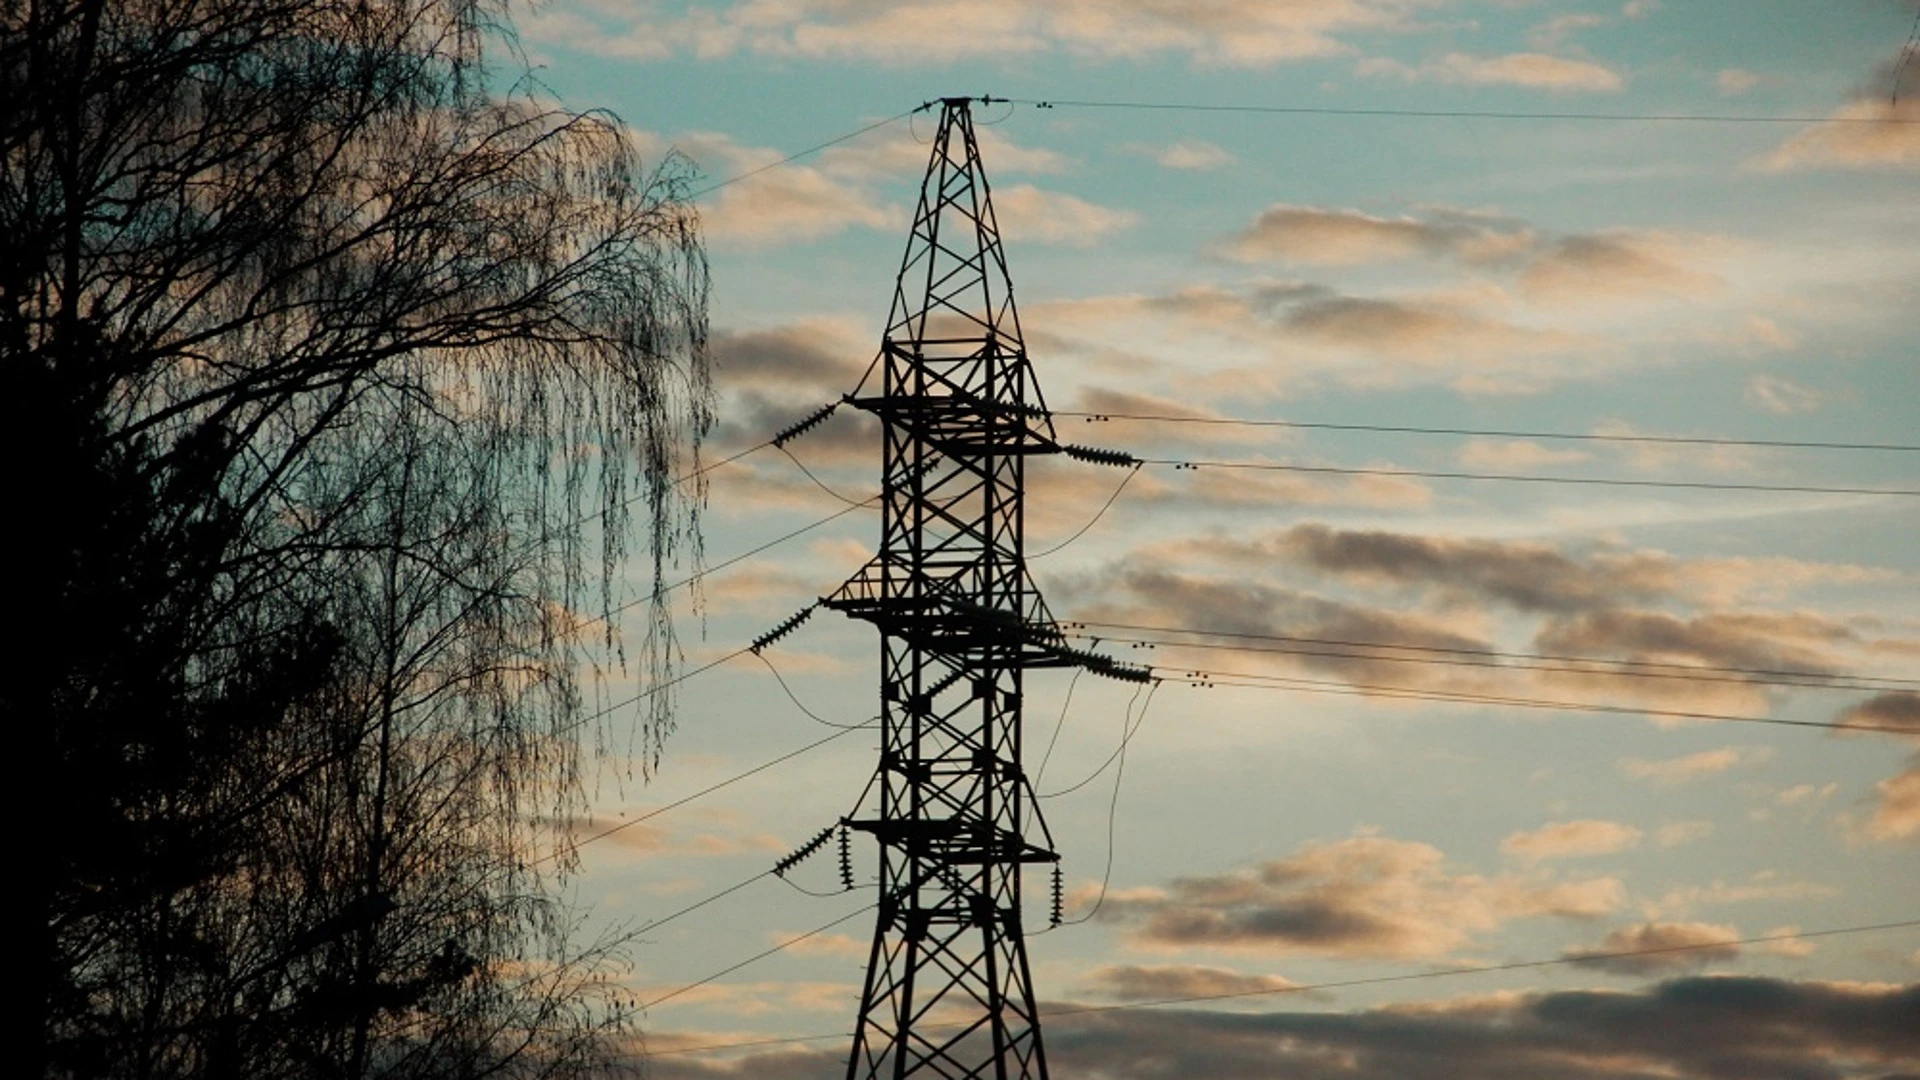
948, 993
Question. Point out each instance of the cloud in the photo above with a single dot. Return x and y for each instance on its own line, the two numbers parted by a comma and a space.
1691, 946
1538, 71
1694, 1028
1789, 945
1269, 339
1365, 896
1306, 234
1688, 1028
1030, 215
1732, 82
1423, 331
836, 191
1763, 886
1514, 454
1135, 982
1879, 129
820, 356
1681, 833
1602, 605
1187, 155
1610, 266
1898, 709
1529, 576
1141, 591
1555, 31
1781, 397
1896, 812
1805, 794
1755, 641
1238, 33
779, 206
1568, 839
1692, 766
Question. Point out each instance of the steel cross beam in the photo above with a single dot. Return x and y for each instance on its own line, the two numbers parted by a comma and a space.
948, 993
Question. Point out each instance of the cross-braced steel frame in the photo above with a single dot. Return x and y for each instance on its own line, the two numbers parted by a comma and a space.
948, 993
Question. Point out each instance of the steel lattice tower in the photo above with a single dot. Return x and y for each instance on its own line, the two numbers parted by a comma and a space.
948, 993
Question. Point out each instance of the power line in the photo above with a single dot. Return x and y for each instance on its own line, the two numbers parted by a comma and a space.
1205, 679
808, 152
1465, 114
1494, 661
1530, 478
1564, 657
757, 957
1402, 429
1095, 520
1347, 984
819, 483
749, 553
1113, 809
655, 689
761, 654
703, 792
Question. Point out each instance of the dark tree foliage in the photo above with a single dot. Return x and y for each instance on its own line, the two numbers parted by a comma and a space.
334, 381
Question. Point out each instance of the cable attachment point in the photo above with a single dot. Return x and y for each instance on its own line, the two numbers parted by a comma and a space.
813, 420
800, 853
1098, 456
789, 626
1058, 914
846, 857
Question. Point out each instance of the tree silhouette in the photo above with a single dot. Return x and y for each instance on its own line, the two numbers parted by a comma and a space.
338, 373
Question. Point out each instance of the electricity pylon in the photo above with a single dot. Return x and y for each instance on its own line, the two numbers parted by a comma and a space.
948, 992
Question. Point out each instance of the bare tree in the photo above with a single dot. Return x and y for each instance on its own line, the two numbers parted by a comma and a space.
334, 374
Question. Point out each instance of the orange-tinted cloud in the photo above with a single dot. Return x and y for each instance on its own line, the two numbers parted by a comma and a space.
1606, 267
1538, 71
1149, 982
1689, 947
1365, 896
1241, 33
1307, 234
1879, 129
1571, 839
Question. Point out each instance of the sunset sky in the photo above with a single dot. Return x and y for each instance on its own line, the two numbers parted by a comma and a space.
1754, 281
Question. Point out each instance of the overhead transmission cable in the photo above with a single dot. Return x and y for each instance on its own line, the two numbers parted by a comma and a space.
1563, 657
702, 793
1346, 984
757, 957
798, 704
1402, 429
1464, 114
1528, 478
1113, 810
1095, 520
1204, 679
1499, 661
808, 152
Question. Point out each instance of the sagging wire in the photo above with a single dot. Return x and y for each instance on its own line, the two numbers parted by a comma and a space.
798, 704
1095, 520
1128, 727
1113, 813
1058, 725
822, 484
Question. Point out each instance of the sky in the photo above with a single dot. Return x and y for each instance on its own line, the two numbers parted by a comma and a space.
1532, 276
